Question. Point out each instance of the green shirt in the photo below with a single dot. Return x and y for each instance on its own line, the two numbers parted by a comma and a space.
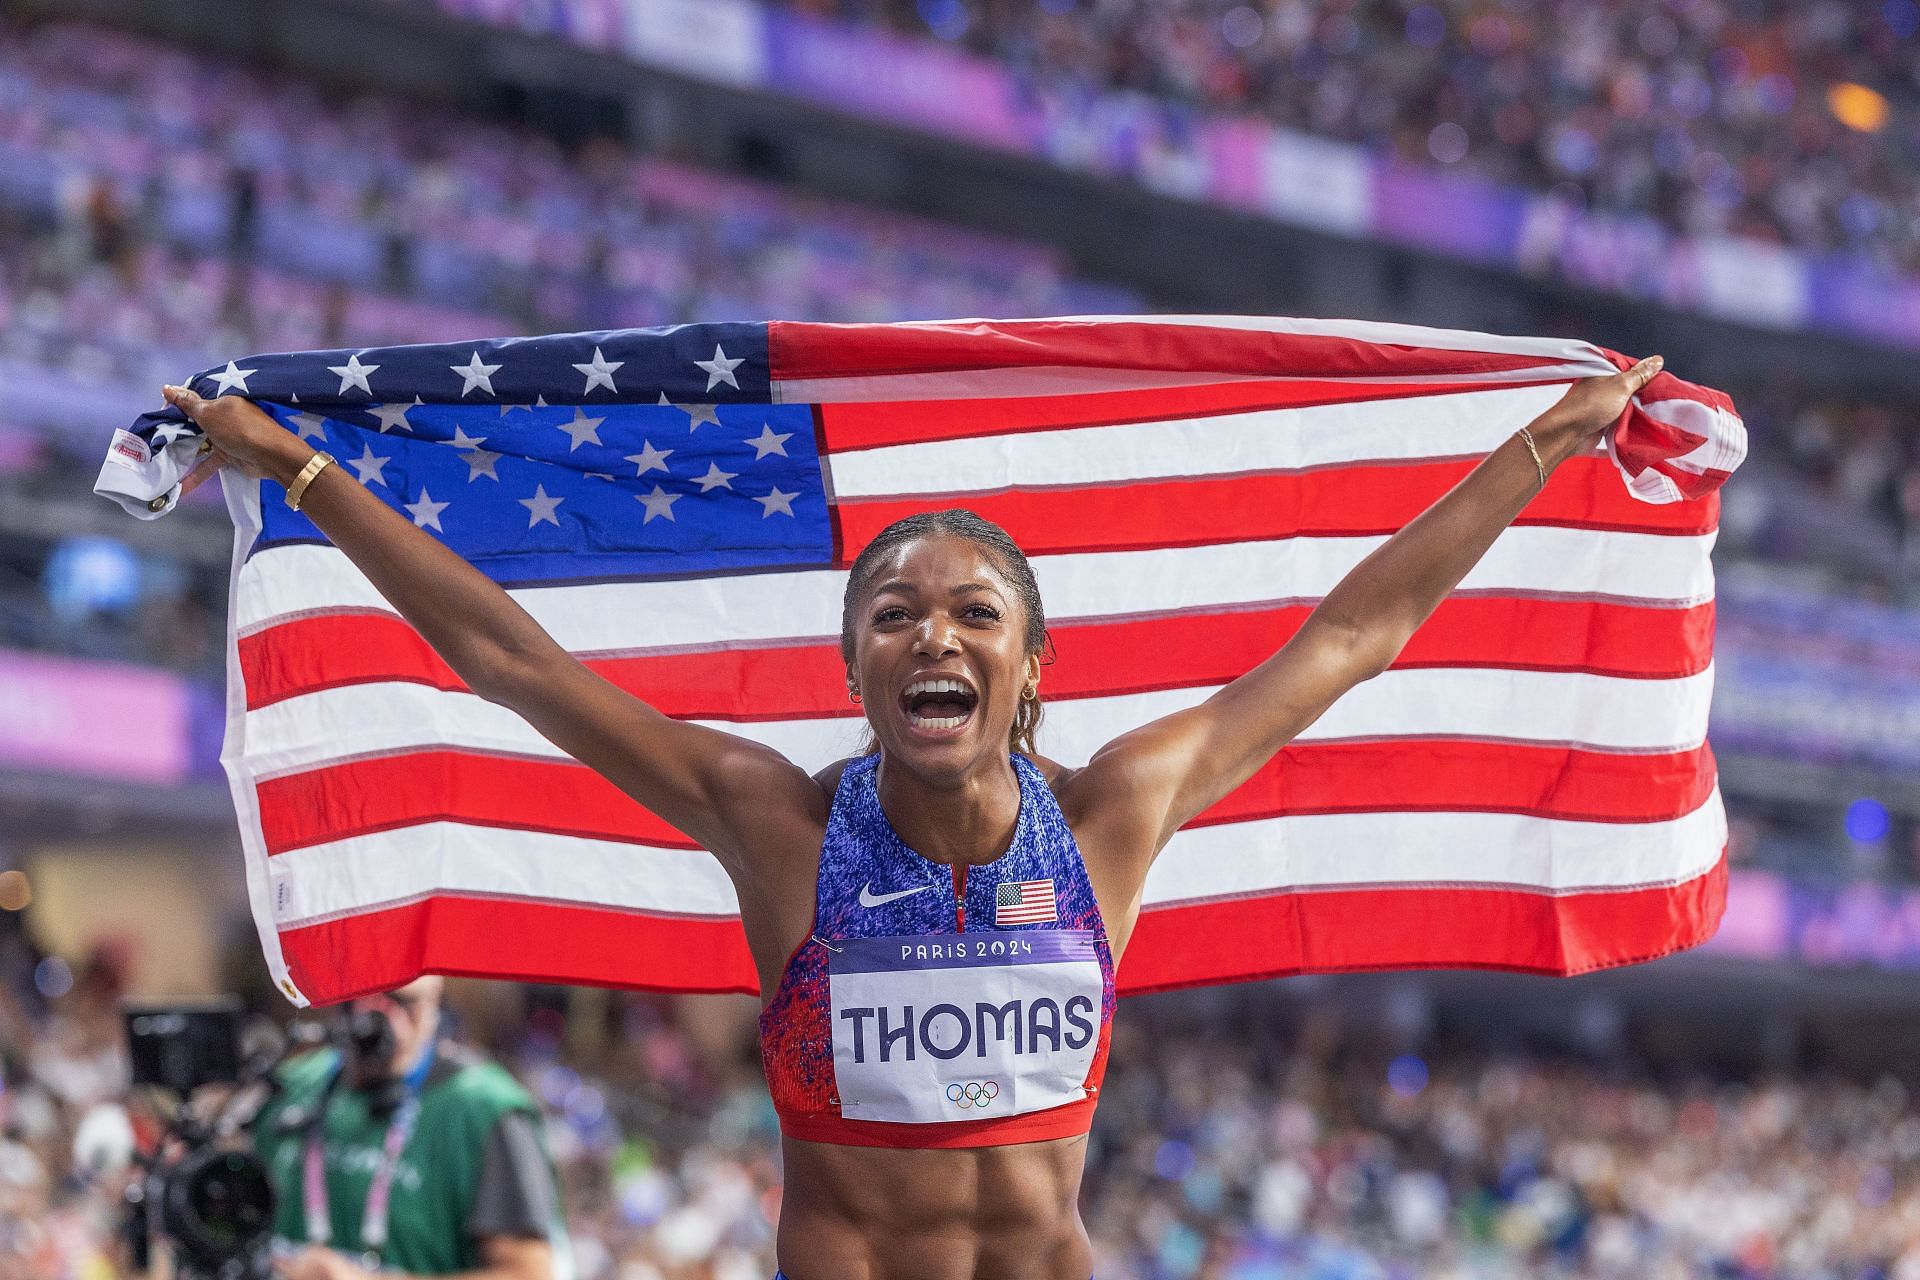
435, 1180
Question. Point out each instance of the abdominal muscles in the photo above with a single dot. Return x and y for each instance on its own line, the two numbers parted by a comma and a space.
1010, 1213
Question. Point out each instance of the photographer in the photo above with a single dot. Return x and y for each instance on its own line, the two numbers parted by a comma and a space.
403, 1153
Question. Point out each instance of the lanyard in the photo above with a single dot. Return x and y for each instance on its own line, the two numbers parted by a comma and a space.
375, 1217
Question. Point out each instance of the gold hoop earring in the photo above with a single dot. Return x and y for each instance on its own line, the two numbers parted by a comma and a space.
1032, 694
854, 694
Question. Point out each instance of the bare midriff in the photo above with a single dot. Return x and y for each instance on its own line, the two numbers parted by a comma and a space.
982, 1213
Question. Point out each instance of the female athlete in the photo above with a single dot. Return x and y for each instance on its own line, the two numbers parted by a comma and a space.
935, 923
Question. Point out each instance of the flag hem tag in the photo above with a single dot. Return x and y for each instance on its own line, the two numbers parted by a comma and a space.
282, 882
129, 450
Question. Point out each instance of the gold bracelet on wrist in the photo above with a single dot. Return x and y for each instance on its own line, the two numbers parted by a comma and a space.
315, 465
1538, 465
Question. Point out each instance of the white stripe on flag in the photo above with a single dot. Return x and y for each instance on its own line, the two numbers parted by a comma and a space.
1606, 713
1670, 570
1325, 851
1370, 431
388, 868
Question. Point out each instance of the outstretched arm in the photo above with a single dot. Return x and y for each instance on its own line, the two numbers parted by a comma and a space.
692, 776
1162, 774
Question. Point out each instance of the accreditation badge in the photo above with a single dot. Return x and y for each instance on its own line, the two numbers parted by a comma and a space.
963, 1026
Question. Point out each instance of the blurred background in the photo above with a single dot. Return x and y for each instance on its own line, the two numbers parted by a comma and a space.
1732, 183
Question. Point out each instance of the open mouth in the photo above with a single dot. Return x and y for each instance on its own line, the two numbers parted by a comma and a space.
939, 704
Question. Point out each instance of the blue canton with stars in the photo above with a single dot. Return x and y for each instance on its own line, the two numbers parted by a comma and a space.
597, 456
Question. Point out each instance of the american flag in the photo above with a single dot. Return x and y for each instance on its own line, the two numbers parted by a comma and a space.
1528, 788
1024, 902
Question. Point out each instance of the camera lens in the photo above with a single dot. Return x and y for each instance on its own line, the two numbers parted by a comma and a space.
219, 1204
372, 1035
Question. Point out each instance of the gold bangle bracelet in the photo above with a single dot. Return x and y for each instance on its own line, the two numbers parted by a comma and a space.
315, 465
1538, 465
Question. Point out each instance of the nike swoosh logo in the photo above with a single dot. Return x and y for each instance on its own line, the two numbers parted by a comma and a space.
868, 898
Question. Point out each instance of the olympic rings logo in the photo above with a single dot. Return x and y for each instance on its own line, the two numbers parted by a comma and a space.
973, 1094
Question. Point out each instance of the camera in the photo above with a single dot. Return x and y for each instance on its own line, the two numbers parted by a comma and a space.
204, 1192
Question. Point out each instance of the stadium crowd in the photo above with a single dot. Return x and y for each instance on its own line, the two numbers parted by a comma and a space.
1241, 1143
309, 219
1785, 121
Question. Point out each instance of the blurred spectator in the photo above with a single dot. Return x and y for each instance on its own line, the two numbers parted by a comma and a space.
454, 1141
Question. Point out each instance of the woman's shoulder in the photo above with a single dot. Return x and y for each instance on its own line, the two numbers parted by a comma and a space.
828, 779
1053, 771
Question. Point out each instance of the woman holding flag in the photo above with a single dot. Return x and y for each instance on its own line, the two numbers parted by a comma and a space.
936, 923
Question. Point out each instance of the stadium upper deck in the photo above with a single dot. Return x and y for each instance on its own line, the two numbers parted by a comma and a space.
1794, 123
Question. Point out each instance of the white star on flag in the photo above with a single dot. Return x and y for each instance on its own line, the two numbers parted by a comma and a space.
172, 431
476, 374
426, 512
230, 377
393, 415
720, 369
352, 374
368, 466
541, 507
767, 442
696, 413
581, 430
715, 478
776, 501
307, 425
461, 440
599, 373
649, 458
658, 503
480, 463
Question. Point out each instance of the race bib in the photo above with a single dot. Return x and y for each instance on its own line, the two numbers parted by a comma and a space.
963, 1026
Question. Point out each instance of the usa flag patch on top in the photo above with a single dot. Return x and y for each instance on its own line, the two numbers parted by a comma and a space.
1025, 902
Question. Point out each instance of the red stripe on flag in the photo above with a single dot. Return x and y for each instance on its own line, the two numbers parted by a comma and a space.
848, 427
520, 940
1349, 930
383, 793
789, 681
1345, 501
1246, 939
801, 349
1450, 775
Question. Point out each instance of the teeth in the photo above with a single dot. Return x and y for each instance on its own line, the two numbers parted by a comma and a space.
919, 687
936, 722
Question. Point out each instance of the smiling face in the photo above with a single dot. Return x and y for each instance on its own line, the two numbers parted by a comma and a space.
939, 655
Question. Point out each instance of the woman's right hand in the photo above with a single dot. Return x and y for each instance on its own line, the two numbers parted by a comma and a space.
242, 434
